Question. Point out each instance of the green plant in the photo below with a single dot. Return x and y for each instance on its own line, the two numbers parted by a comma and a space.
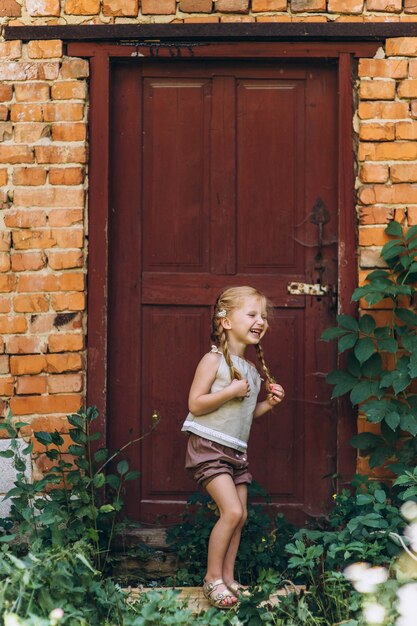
261, 545
381, 367
78, 498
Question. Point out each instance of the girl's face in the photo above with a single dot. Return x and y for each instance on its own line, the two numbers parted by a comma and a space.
247, 324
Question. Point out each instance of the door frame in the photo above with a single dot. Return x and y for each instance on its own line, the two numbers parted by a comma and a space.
101, 56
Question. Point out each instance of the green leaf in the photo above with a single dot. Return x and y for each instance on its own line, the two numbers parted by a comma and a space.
347, 341
394, 228
99, 480
76, 450
393, 420
401, 382
122, 467
393, 253
43, 437
364, 498
388, 345
101, 455
332, 333
77, 420
411, 232
373, 366
407, 316
408, 423
367, 324
379, 455
133, 475
113, 481
364, 348
362, 391
7, 454
348, 322
106, 508
363, 441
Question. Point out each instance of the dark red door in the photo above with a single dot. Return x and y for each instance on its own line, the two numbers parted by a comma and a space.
219, 175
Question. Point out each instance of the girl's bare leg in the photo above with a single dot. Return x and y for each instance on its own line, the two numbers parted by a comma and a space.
225, 494
230, 558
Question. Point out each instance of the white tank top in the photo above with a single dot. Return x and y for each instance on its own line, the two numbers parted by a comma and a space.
230, 424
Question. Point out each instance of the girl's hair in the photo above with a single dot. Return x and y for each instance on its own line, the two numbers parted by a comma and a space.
227, 301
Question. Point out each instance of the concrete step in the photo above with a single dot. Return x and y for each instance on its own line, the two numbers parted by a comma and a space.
197, 602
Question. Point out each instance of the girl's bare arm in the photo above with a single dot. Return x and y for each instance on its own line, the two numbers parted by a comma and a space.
275, 396
200, 400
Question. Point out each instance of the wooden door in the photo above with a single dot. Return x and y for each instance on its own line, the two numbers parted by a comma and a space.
219, 174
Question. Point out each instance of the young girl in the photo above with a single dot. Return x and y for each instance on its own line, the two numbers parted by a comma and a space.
222, 403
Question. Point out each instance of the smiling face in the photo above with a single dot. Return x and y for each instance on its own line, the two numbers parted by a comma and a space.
247, 323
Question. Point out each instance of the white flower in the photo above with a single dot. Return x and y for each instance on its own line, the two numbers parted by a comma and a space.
407, 602
11, 619
409, 510
411, 533
365, 578
57, 613
374, 613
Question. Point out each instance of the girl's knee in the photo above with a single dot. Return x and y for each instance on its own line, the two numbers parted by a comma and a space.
233, 515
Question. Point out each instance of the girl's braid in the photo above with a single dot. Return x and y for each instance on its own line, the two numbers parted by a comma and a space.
261, 359
234, 373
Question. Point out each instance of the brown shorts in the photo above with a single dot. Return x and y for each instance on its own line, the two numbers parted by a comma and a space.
207, 459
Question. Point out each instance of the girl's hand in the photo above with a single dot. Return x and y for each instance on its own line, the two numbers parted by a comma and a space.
240, 388
276, 393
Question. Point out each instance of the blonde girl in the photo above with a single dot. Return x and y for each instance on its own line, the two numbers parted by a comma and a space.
222, 403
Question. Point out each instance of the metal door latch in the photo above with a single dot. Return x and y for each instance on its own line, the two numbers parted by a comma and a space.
308, 289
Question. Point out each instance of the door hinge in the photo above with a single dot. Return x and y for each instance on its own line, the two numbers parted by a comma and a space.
309, 289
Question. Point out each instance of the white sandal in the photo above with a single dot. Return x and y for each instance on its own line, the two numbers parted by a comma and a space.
218, 599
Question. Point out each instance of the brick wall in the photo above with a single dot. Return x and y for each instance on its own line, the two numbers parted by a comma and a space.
43, 173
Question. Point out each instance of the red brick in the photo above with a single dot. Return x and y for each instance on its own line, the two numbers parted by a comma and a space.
403, 172
406, 130
200, 19
22, 262
158, 7
43, 7
25, 344
31, 132
32, 92
58, 154
124, 8
28, 71
49, 322
6, 93
3, 176
63, 111
10, 8
16, 154
68, 301
82, 7
4, 262
34, 303
11, 49
65, 383
196, 6
374, 173
69, 90
388, 6
24, 218
66, 175
304, 6
74, 68
33, 239
12, 324
6, 131
4, 112
408, 88
375, 215
69, 237
59, 363
7, 283
5, 307
45, 49
401, 46
31, 385
269, 5
274, 18
377, 132
410, 6
29, 176
70, 281
345, 6
237, 18
65, 217
4, 365
65, 342
389, 194
49, 197
5, 241
374, 89
387, 151
75, 131
6, 386
384, 110
45, 404
26, 113
65, 260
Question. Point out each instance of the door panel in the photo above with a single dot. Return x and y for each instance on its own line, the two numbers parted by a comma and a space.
216, 170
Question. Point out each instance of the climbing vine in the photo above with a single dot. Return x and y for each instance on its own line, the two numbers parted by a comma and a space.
380, 375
